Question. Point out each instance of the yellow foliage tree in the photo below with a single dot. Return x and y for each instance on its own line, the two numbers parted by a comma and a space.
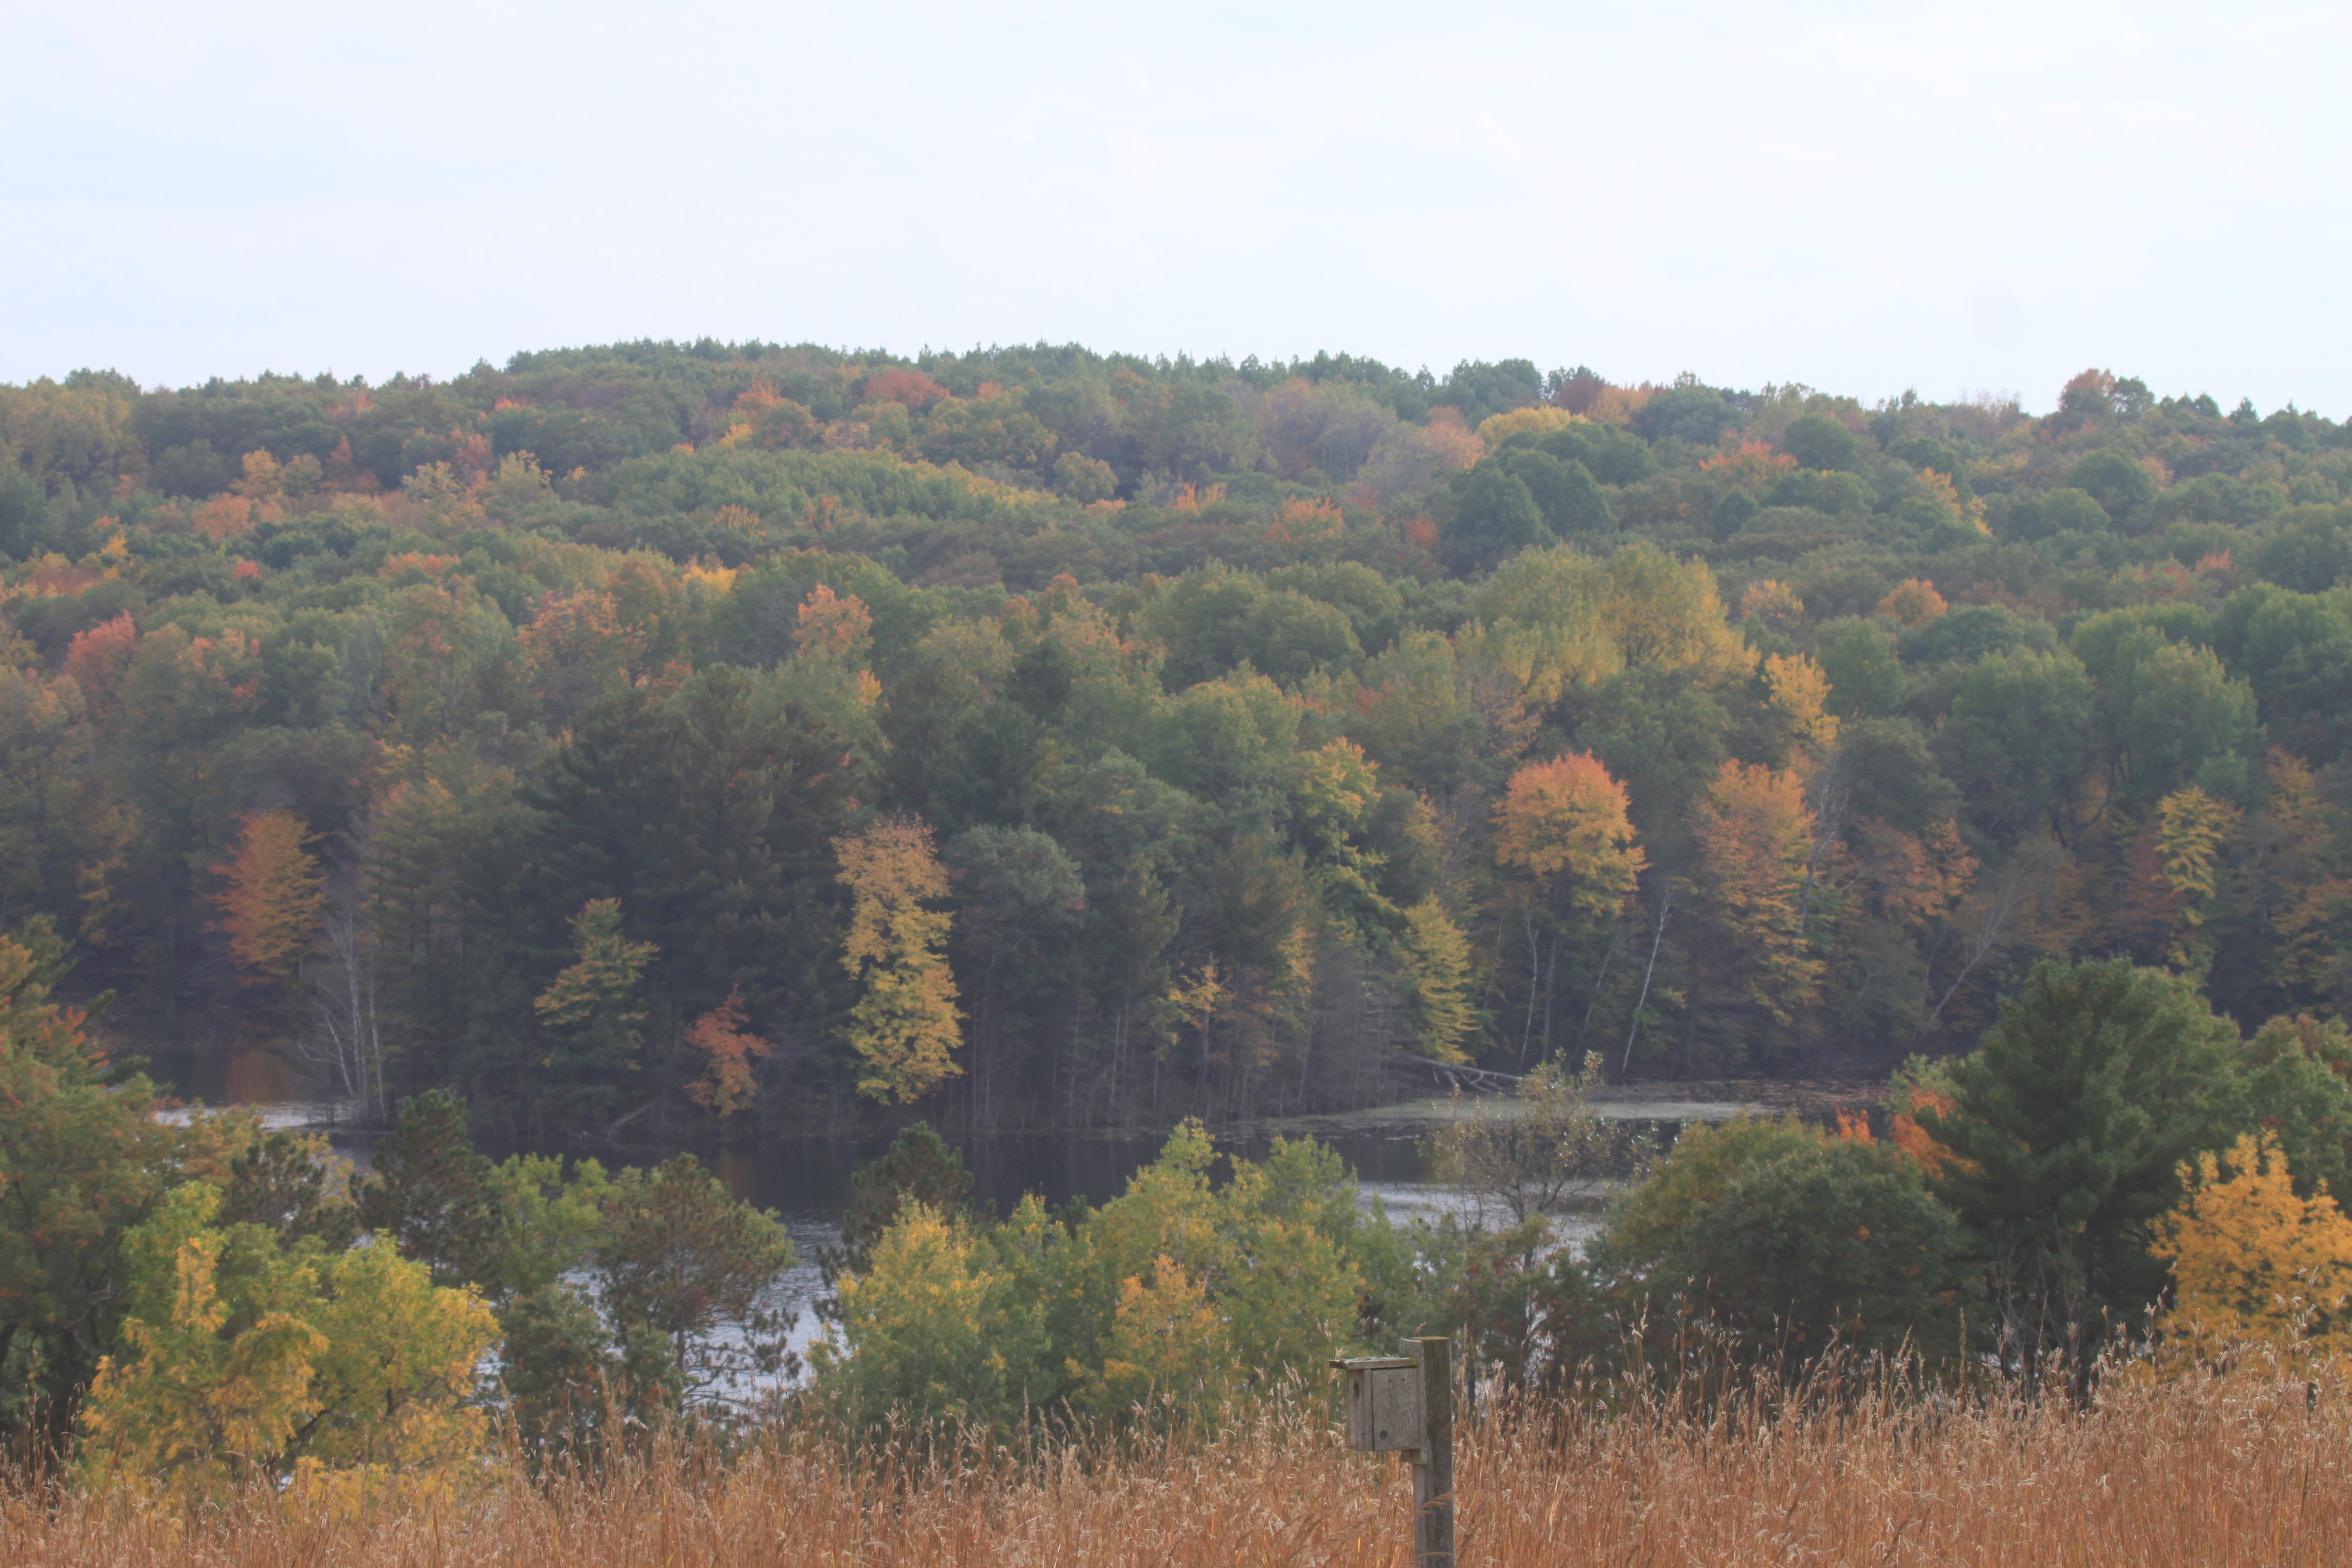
1755, 838
1772, 604
193, 1402
395, 1378
1167, 1341
1434, 956
2191, 827
1538, 420
1563, 826
2251, 1262
1557, 620
1800, 687
244, 1362
275, 889
592, 1006
907, 1025
937, 1327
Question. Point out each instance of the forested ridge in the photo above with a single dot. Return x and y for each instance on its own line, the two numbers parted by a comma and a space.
654, 734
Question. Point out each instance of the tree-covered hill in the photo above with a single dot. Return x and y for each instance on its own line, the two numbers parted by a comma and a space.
729, 730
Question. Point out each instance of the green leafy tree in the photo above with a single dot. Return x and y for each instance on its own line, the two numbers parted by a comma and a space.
2296, 650
81, 1161
2121, 487
1166, 1304
2016, 744
1817, 441
1696, 1172
2069, 1127
1495, 515
566, 1375
1020, 896
2294, 1073
594, 1009
1795, 1243
709, 812
1865, 678
432, 1197
684, 1259
2170, 715
294, 1184
1565, 492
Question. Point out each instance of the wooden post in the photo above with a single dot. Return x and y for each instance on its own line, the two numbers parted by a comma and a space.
1433, 1468
1406, 1403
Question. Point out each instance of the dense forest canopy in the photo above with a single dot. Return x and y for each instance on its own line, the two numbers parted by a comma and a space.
722, 730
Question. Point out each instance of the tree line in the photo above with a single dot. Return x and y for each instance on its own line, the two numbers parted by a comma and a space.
637, 737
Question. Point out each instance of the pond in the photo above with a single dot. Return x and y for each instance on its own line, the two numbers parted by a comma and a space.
805, 1180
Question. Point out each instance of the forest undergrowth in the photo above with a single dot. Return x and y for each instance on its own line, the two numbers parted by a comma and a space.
2246, 1466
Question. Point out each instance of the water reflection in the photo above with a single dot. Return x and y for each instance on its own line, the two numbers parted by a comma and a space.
807, 1180
228, 1075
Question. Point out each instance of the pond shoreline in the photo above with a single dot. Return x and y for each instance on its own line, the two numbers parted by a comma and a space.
1662, 1100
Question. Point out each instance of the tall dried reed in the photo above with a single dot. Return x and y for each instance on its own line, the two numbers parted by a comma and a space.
2243, 1468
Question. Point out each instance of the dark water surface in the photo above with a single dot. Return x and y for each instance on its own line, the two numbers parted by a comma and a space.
807, 1179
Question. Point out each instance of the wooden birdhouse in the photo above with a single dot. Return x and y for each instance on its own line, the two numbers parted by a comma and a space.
1384, 1413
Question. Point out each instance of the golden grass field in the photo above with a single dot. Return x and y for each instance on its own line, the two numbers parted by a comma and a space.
2243, 1469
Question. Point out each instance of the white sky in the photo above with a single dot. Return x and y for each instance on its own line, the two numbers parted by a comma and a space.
1862, 197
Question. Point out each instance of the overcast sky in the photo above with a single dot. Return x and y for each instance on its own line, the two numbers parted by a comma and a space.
1860, 197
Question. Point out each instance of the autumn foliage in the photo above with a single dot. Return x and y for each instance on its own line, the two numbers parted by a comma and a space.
662, 622
907, 1023
723, 1039
2253, 1263
1564, 823
1754, 835
270, 907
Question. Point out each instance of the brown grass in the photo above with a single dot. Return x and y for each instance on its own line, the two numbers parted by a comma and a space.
2225, 1472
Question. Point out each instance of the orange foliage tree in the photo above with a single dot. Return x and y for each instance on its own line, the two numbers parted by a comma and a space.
1563, 823
275, 889
725, 1042
576, 650
97, 659
836, 624
1912, 603
1751, 465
